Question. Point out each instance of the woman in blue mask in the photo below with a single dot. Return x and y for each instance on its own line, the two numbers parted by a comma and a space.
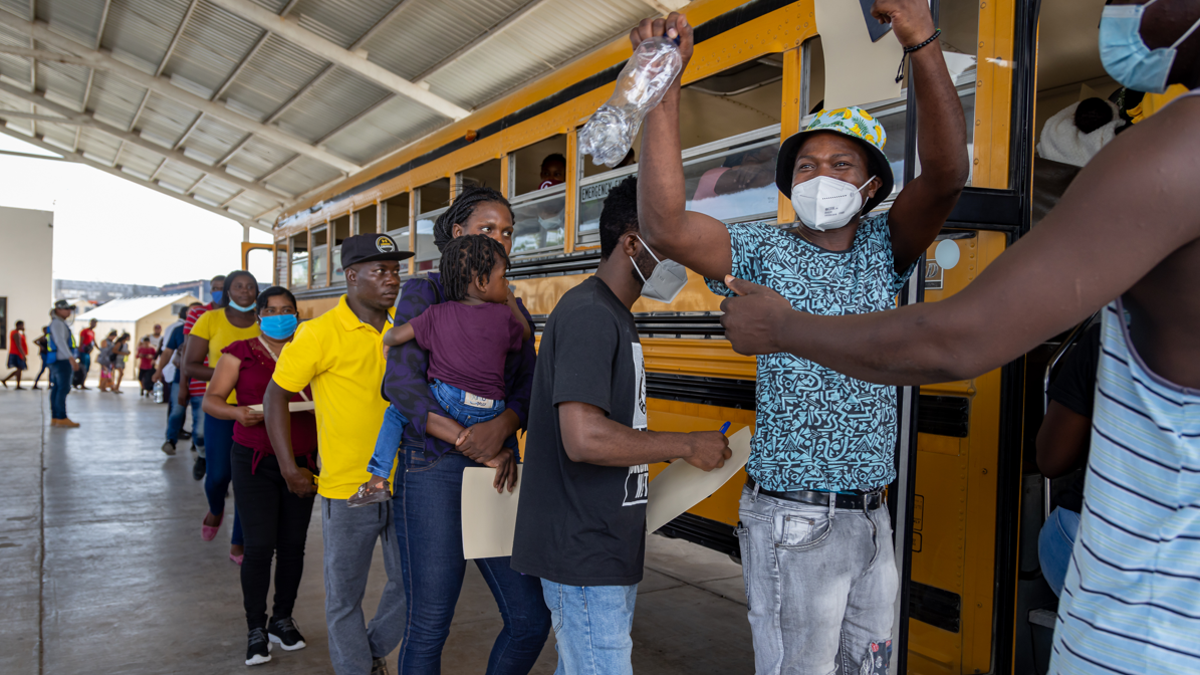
274, 521
233, 319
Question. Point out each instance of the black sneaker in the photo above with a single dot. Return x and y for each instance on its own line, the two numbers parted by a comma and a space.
379, 666
370, 494
168, 447
285, 633
185, 435
198, 468
259, 648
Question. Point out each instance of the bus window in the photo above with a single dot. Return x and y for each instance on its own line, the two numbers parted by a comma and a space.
484, 175
395, 219
341, 230
735, 101
365, 220
320, 261
592, 193
734, 179
538, 166
433, 196
299, 262
539, 221
432, 201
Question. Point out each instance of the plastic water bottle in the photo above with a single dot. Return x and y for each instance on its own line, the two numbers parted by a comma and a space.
608, 136
159, 395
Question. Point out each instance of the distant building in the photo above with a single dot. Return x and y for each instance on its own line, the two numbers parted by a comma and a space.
92, 293
135, 316
199, 288
26, 293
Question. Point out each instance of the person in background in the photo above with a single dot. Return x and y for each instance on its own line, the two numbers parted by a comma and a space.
104, 359
1062, 452
60, 347
145, 356
169, 372
340, 353
554, 171
629, 159
156, 338
740, 171
815, 535
233, 320
275, 520
193, 390
42, 342
18, 354
87, 344
581, 518
1125, 241
119, 353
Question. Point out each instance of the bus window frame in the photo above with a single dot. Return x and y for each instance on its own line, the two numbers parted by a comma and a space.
536, 197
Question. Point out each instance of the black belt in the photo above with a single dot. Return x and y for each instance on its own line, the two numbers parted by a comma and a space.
870, 500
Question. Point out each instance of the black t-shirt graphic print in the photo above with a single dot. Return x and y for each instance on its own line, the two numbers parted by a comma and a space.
581, 524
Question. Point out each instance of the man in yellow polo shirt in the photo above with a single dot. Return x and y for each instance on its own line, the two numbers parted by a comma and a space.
340, 353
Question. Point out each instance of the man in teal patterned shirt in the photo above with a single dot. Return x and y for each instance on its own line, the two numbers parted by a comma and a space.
815, 536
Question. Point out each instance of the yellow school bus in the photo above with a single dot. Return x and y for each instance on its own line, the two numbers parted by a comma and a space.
968, 502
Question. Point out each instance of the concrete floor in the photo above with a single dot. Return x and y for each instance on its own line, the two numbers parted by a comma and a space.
104, 570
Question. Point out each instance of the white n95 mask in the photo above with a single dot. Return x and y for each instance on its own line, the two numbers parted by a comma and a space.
665, 282
825, 203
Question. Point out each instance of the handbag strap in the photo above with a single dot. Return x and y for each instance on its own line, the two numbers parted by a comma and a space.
276, 359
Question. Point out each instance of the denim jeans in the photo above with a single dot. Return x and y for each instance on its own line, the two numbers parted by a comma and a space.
428, 505
388, 442
591, 627
349, 536
85, 364
821, 585
60, 385
1055, 543
179, 412
455, 402
219, 473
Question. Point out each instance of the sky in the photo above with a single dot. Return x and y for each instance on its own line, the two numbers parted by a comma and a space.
109, 229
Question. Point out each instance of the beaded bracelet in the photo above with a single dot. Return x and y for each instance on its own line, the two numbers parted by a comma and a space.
909, 50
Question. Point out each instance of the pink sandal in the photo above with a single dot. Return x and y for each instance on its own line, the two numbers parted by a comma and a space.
237, 558
209, 532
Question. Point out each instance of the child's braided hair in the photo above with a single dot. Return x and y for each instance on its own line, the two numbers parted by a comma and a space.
466, 258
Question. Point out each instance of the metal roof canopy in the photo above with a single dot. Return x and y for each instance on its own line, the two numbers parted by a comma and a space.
244, 107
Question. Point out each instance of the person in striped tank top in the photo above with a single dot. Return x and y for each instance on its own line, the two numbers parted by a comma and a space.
1125, 239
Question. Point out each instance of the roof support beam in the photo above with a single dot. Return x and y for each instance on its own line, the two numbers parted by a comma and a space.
17, 115
187, 16
291, 30
164, 86
128, 137
665, 7
78, 158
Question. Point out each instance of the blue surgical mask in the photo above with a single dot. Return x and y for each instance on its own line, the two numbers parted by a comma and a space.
1125, 55
238, 308
217, 295
278, 326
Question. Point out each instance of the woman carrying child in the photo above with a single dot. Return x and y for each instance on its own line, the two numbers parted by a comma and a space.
428, 492
274, 521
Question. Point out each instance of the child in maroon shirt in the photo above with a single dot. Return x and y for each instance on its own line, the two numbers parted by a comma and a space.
468, 340
145, 356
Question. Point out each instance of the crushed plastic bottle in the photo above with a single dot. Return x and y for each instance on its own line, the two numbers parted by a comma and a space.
609, 134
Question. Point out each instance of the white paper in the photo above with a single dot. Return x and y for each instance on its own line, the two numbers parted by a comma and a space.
295, 406
681, 486
857, 71
489, 519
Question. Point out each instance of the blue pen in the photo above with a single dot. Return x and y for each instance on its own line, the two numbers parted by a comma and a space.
724, 428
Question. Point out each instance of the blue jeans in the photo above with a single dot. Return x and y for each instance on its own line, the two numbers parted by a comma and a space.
821, 585
60, 385
85, 364
453, 400
219, 472
1055, 543
428, 507
591, 627
179, 412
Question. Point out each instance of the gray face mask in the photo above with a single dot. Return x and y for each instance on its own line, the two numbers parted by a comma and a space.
665, 282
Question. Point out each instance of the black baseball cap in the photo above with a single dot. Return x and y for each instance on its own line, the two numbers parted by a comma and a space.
63, 304
370, 247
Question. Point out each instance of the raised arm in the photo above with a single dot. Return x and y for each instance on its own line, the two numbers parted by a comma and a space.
1126, 212
694, 240
923, 205
589, 436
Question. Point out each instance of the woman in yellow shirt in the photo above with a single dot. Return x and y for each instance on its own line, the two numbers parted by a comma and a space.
232, 320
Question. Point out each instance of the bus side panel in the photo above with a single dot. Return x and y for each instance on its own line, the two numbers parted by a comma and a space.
954, 514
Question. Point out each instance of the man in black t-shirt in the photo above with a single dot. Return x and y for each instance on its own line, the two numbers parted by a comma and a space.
1062, 452
581, 519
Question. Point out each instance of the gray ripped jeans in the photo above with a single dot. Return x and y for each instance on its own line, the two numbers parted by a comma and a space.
821, 585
